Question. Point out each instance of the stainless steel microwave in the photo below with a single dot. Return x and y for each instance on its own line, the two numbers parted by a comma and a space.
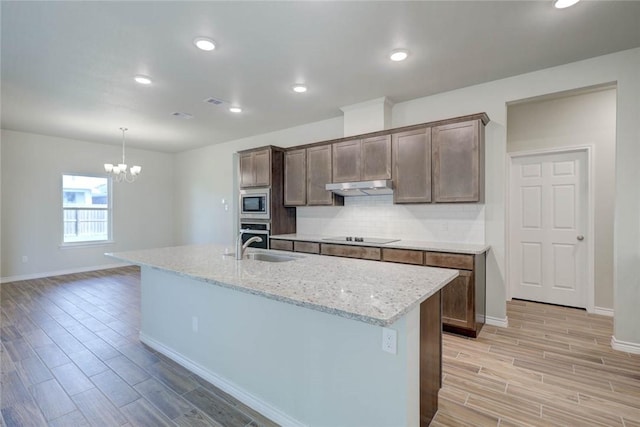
254, 203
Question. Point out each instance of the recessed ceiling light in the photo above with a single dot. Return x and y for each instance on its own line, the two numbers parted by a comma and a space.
143, 80
561, 4
204, 43
235, 109
299, 88
399, 55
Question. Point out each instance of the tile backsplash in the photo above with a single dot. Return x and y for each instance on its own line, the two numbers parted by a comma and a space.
377, 216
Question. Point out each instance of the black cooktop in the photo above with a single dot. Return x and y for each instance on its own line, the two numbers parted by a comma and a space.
380, 241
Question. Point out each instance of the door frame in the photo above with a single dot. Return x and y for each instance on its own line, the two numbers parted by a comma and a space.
588, 149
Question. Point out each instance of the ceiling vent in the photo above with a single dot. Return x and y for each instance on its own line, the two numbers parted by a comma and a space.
181, 115
214, 101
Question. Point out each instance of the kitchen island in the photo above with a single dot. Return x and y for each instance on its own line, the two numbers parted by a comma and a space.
300, 341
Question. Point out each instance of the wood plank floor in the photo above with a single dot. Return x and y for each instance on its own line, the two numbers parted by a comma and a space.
551, 366
70, 356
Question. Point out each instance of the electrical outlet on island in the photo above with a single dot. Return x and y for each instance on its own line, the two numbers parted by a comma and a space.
389, 340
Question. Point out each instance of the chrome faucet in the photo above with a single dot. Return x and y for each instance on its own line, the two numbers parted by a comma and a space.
240, 248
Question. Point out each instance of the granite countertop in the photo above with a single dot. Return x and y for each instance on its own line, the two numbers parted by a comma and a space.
460, 248
373, 292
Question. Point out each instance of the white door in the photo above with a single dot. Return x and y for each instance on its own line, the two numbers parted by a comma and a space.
548, 224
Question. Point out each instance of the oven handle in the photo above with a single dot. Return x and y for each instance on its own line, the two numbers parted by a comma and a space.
250, 231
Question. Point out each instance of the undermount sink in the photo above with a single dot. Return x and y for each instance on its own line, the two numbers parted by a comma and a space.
262, 256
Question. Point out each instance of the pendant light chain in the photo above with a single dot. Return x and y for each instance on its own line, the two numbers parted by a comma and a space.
123, 143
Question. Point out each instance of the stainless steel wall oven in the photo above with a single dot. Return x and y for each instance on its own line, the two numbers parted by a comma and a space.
260, 229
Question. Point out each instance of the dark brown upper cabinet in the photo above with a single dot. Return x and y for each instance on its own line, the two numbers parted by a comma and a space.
362, 159
412, 166
319, 174
376, 158
346, 161
295, 177
458, 162
441, 161
255, 168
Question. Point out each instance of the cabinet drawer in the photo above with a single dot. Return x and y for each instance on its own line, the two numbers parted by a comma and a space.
307, 247
445, 260
362, 252
281, 245
403, 256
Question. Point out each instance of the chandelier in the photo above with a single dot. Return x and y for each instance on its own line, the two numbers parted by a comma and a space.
119, 171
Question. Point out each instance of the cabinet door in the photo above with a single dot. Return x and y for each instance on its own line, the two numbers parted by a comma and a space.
346, 161
247, 173
457, 167
318, 175
412, 166
295, 178
458, 302
376, 158
262, 167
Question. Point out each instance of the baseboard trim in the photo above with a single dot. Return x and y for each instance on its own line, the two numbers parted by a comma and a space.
496, 321
9, 279
626, 346
603, 311
224, 384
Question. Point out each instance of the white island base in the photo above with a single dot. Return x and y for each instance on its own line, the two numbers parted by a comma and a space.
295, 365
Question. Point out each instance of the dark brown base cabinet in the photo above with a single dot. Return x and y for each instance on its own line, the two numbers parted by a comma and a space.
463, 300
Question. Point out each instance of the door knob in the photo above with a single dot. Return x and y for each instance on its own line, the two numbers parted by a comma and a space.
580, 237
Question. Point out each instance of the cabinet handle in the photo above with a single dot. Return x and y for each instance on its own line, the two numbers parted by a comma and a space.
580, 237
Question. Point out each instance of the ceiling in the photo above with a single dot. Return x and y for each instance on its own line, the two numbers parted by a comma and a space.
67, 67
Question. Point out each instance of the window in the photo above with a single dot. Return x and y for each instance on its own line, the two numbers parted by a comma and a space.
86, 209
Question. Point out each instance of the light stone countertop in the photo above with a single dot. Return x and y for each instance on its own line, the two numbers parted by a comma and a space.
373, 292
459, 248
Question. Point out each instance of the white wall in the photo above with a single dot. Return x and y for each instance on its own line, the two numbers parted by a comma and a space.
578, 120
206, 176
207, 173
32, 169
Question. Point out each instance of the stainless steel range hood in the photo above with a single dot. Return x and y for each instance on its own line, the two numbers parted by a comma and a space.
362, 188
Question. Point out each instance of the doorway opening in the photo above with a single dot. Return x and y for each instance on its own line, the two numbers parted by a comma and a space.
561, 197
